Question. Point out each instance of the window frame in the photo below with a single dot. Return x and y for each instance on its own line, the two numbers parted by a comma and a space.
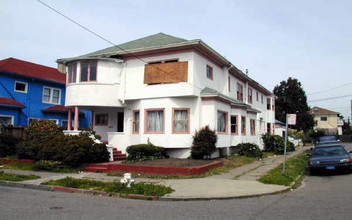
324, 117
250, 95
9, 116
104, 123
236, 125
211, 72
70, 75
229, 82
146, 121
252, 126
239, 92
243, 125
88, 71
134, 131
268, 104
226, 122
25, 88
173, 121
257, 96
51, 95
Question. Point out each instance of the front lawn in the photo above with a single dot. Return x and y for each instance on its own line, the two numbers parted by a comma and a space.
295, 167
146, 189
17, 177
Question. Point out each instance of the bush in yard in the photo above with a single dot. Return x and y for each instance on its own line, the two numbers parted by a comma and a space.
249, 150
141, 152
276, 144
204, 143
51, 144
7, 145
48, 165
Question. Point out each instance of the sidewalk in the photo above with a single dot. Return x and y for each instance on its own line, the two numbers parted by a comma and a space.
238, 183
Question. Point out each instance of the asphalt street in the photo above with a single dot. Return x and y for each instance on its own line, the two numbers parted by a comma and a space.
326, 196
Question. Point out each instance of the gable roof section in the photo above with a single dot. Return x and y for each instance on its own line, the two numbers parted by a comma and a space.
317, 111
10, 102
32, 70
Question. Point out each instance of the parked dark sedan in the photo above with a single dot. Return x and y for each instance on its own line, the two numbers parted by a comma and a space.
329, 157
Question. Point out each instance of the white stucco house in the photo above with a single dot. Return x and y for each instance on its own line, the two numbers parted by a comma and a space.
165, 88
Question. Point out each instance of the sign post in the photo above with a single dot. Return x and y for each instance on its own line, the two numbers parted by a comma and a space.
290, 120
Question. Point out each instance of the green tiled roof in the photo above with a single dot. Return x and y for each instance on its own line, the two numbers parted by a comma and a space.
155, 40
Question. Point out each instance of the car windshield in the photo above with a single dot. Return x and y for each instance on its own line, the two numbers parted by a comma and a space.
327, 138
330, 151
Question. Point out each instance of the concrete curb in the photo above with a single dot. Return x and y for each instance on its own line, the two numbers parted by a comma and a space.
74, 190
131, 196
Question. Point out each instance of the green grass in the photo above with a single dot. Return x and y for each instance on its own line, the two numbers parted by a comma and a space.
22, 166
17, 177
146, 189
229, 163
295, 167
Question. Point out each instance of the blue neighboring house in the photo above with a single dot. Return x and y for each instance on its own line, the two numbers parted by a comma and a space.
30, 91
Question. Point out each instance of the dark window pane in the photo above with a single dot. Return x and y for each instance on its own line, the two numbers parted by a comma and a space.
84, 72
93, 72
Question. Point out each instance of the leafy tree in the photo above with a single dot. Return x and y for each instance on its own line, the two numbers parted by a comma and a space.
291, 99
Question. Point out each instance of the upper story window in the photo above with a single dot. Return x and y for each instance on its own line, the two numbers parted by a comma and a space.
323, 118
166, 71
209, 72
268, 106
88, 71
21, 87
262, 99
72, 73
239, 92
51, 95
250, 95
229, 83
257, 95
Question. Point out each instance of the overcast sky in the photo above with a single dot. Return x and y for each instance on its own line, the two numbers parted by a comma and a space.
273, 39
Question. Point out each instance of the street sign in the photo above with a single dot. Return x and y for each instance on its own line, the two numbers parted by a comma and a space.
291, 119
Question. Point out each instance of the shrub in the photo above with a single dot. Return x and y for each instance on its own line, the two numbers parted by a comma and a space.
204, 143
51, 144
249, 150
48, 165
276, 144
141, 152
7, 145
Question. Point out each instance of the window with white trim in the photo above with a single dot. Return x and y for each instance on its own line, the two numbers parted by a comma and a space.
252, 126
6, 120
234, 123
243, 124
51, 95
21, 87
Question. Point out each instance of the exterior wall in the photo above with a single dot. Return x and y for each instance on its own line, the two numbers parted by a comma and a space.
120, 87
33, 101
330, 123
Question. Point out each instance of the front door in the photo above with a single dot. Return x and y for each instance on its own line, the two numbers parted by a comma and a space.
120, 121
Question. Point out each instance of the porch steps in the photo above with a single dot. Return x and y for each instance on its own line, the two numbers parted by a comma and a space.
118, 155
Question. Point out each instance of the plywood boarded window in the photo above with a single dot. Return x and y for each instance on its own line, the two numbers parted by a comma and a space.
173, 72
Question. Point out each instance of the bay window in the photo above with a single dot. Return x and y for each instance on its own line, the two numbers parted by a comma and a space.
180, 121
222, 122
154, 121
88, 71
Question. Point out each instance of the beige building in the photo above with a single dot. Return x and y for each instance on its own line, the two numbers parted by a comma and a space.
326, 121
